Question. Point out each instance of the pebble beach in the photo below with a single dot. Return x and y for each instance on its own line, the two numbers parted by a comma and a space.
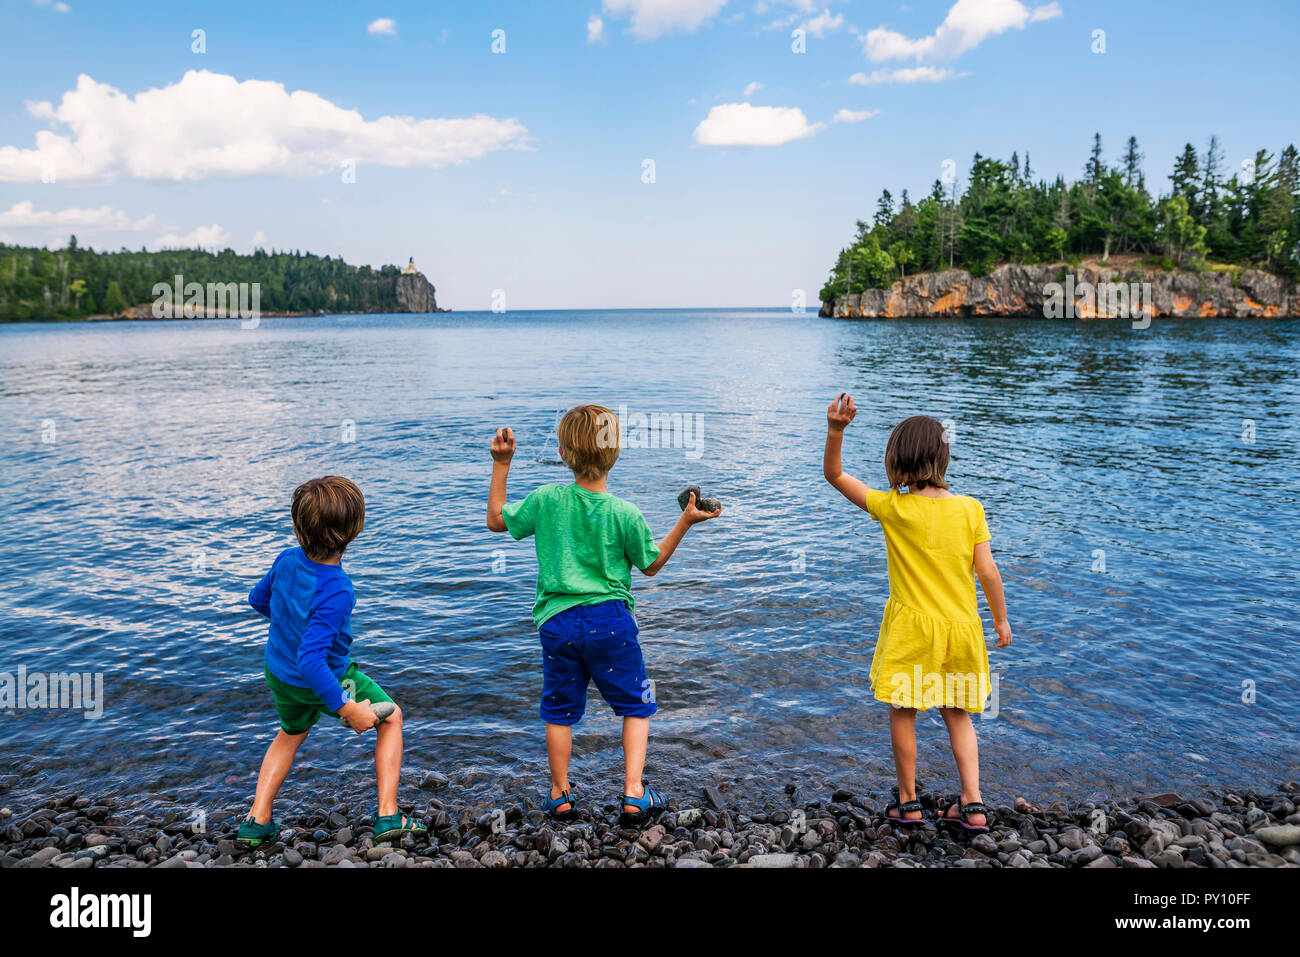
842, 829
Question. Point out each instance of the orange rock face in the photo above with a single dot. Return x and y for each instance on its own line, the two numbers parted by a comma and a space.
1116, 291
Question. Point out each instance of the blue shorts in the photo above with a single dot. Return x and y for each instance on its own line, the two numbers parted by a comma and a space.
593, 642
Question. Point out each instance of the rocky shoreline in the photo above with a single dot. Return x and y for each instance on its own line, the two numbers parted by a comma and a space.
843, 829
1091, 290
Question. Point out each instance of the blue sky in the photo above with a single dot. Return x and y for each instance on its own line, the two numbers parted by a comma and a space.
543, 194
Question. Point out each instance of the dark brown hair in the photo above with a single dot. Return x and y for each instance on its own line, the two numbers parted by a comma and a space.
917, 454
328, 513
589, 440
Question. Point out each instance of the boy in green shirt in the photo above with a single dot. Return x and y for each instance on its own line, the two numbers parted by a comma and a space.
587, 540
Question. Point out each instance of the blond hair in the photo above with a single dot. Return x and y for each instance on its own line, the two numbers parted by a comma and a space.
589, 437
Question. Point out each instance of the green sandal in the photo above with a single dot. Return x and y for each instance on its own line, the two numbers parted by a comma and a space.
253, 834
389, 826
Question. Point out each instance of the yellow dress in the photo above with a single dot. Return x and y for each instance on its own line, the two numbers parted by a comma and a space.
931, 649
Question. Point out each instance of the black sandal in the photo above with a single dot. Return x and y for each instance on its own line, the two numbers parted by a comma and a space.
905, 807
965, 810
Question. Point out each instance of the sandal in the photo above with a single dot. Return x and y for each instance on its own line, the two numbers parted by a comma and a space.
964, 810
904, 807
389, 826
651, 805
552, 804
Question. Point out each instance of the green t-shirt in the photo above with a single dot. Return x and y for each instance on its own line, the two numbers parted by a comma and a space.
586, 544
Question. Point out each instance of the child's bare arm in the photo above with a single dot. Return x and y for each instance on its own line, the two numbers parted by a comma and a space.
691, 515
838, 416
991, 581
503, 450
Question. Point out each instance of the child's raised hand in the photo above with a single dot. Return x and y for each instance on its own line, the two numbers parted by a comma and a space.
841, 412
1003, 628
503, 445
694, 514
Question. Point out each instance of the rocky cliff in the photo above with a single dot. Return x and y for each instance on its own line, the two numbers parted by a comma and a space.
415, 293
1089, 291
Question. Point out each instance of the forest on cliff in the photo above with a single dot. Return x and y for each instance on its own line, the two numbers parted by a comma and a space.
1247, 216
75, 282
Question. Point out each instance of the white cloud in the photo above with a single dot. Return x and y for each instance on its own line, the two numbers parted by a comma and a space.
259, 239
753, 88
595, 29
853, 116
57, 8
24, 214
823, 23
206, 237
653, 18
968, 24
210, 124
385, 25
918, 74
739, 124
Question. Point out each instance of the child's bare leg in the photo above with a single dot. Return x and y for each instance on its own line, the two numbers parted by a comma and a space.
965, 750
275, 768
388, 760
902, 735
559, 747
636, 737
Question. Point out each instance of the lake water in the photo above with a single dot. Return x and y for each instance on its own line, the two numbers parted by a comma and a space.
148, 469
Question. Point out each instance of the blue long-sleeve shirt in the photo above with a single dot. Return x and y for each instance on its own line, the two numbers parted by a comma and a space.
310, 607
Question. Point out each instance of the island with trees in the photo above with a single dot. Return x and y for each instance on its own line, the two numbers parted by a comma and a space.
1219, 241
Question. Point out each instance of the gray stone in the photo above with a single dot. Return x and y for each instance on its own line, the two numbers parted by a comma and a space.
382, 709
334, 855
1086, 855
1279, 835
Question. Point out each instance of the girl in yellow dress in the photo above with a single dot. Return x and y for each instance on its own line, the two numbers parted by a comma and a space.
931, 649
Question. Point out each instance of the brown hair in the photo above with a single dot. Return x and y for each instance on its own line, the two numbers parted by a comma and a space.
917, 454
328, 513
589, 438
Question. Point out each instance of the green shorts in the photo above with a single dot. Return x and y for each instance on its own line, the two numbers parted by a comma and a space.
300, 708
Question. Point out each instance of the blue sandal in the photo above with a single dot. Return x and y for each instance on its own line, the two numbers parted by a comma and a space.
552, 804
651, 805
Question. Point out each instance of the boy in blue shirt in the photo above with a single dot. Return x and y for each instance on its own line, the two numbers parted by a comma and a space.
308, 598
587, 541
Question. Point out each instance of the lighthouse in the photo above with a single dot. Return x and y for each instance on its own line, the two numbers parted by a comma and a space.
409, 269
